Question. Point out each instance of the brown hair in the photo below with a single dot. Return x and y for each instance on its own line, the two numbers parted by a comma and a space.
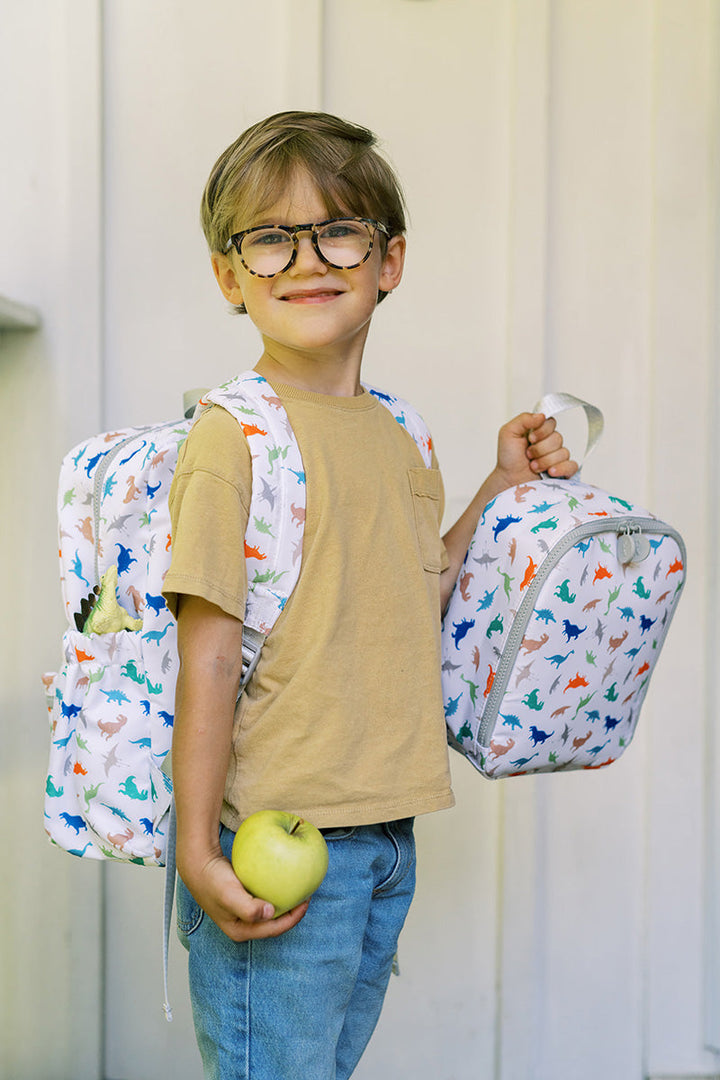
340, 158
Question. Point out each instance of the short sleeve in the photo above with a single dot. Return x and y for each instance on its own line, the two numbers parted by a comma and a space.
208, 502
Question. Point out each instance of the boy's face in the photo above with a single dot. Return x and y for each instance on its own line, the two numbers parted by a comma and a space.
311, 307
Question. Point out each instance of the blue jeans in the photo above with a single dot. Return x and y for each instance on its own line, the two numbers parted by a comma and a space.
304, 1005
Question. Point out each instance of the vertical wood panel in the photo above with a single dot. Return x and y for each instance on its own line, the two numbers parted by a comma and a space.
684, 261
564, 926
50, 952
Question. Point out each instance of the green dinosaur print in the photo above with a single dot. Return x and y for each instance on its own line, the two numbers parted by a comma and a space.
612, 597
130, 671
472, 687
495, 627
507, 582
263, 526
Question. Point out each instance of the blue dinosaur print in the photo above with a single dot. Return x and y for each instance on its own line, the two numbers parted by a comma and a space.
571, 631
76, 569
117, 696
504, 523
487, 599
156, 636
538, 737
125, 559
155, 603
461, 629
559, 659
545, 615
451, 706
134, 453
511, 721
74, 821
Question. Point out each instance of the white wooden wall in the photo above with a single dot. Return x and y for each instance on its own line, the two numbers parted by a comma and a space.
564, 926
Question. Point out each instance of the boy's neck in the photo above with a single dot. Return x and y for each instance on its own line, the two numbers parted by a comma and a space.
334, 378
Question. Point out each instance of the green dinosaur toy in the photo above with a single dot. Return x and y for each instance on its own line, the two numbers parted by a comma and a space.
107, 616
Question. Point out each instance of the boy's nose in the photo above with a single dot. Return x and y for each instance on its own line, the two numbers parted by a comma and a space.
307, 259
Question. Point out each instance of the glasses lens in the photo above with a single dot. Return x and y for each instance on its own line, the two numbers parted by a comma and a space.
344, 243
266, 251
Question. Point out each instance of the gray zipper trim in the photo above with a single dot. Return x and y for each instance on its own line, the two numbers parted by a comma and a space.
521, 620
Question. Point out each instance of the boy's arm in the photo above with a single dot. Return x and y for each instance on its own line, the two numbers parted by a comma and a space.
527, 446
209, 644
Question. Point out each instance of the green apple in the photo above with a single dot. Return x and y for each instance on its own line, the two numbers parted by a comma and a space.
279, 857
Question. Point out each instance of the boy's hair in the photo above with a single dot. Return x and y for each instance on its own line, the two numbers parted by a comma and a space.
339, 157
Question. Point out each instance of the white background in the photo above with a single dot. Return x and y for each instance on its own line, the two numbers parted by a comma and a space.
564, 926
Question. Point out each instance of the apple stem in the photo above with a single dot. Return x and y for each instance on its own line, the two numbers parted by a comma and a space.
296, 826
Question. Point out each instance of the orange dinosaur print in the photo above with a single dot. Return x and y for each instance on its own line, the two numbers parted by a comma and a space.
578, 742
82, 655
533, 644
598, 513
529, 574
119, 840
489, 683
497, 749
573, 684
616, 642
642, 670
85, 529
168, 543
674, 567
297, 513
254, 552
252, 429
601, 572
132, 490
78, 769
464, 584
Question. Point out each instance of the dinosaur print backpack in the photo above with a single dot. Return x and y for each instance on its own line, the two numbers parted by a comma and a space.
556, 623
112, 702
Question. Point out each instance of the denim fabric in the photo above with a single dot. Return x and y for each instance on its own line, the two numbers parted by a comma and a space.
304, 1005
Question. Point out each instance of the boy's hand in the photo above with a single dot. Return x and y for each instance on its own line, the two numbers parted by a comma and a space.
528, 445
238, 914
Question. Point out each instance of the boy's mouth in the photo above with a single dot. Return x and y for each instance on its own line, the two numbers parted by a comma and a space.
310, 296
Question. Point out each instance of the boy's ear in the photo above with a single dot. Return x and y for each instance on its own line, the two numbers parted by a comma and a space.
393, 263
226, 278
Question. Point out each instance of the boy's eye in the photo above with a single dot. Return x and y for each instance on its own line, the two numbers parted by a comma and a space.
265, 238
343, 230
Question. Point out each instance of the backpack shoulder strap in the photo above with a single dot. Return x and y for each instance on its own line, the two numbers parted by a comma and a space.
408, 418
273, 541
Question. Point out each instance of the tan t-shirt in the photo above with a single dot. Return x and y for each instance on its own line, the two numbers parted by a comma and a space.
343, 721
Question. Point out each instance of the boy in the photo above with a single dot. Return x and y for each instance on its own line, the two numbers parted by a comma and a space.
343, 720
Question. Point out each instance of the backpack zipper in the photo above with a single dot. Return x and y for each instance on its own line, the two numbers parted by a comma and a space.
632, 525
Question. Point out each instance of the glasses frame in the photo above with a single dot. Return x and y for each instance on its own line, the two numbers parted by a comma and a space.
312, 227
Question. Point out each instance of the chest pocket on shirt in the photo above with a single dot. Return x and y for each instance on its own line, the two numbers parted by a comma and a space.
425, 488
